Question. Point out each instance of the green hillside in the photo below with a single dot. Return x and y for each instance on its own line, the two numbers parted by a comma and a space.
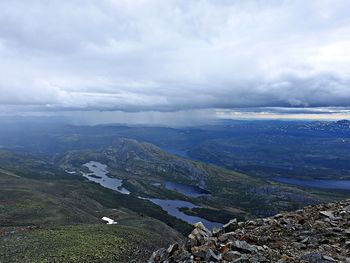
43, 221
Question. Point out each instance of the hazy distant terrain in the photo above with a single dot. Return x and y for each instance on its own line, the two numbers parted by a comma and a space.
260, 148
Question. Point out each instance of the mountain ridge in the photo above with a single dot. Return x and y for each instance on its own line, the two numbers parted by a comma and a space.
145, 168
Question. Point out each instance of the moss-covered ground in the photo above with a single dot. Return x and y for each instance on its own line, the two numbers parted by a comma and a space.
78, 243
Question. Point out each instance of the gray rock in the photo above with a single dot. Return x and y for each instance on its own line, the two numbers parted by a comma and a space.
328, 214
231, 225
231, 255
157, 256
171, 249
200, 251
329, 259
243, 246
242, 259
314, 257
211, 256
216, 231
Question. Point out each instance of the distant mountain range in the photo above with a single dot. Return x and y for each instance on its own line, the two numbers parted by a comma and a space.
340, 127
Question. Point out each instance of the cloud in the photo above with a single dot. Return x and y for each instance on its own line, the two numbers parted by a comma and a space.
154, 55
323, 113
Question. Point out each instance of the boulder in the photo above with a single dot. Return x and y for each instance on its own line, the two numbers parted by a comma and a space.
231, 225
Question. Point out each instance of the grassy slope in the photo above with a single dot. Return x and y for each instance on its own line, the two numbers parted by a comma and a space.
26, 201
44, 221
80, 243
71, 192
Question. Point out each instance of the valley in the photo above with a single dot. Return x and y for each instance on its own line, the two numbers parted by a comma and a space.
201, 131
146, 170
148, 185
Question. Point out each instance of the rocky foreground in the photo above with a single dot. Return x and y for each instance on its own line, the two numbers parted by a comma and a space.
314, 234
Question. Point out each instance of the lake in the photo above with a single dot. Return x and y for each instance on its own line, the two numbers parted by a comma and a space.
316, 183
98, 174
172, 207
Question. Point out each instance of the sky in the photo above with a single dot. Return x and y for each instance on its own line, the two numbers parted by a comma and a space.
151, 59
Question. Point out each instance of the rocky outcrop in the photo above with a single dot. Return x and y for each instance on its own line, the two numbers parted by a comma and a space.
315, 234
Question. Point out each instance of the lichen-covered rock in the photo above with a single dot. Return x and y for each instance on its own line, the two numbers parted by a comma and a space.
317, 234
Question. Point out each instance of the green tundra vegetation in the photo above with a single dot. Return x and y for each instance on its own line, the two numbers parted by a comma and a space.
57, 221
80, 243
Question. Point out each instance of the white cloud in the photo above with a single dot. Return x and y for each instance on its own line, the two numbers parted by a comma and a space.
174, 55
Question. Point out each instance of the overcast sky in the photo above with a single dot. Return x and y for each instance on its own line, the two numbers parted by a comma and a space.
168, 55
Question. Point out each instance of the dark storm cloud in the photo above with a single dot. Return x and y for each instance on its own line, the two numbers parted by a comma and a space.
173, 55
